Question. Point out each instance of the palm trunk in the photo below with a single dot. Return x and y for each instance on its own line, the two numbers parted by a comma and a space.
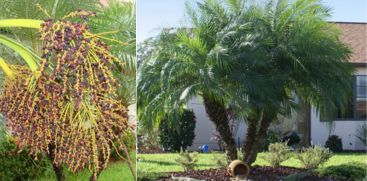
217, 114
304, 125
250, 137
255, 138
259, 140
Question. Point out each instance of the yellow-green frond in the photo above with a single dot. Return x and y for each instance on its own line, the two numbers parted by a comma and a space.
4, 66
25, 23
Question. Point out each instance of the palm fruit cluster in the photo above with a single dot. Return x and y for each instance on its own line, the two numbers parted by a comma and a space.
69, 104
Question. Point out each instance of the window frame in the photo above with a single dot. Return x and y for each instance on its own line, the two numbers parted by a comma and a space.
354, 102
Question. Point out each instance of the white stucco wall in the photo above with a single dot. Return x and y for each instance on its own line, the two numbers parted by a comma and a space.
204, 127
240, 135
346, 130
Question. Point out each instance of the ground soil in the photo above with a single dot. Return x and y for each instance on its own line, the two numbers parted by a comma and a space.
256, 174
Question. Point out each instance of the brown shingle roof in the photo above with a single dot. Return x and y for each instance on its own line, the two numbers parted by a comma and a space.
354, 35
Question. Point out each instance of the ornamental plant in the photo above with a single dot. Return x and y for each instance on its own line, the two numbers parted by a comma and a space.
187, 160
334, 143
362, 134
313, 157
18, 164
67, 107
278, 153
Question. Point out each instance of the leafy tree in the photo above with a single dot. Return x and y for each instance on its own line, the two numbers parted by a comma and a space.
179, 66
177, 138
282, 50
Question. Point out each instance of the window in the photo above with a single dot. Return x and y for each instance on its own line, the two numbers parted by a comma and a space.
357, 105
361, 97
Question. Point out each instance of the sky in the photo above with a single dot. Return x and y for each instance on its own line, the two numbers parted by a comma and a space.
153, 15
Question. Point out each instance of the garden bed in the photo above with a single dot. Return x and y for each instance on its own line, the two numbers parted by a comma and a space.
256, 174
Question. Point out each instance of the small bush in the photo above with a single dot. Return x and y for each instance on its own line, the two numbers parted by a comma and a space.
334, 143
351, 171
278, 153
312, 157
271, 137
293, 139
174, 139
187, 160
16, 164
239, 154
362, 134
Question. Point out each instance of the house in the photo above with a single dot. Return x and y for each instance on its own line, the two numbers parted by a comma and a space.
307, 123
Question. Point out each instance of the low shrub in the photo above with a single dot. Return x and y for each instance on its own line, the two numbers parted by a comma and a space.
239, 154
362, 134
278, 153
312, 157
271, 137
349, 171
172, 138
187, 160
16, 164
334, 143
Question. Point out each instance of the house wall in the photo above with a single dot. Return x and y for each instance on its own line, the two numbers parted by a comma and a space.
204, 127
345, 129
240, 134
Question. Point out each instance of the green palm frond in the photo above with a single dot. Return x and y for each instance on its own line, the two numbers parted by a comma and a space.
117, 22
28, 55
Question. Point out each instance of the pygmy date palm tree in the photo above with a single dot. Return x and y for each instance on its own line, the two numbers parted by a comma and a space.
255, 57
295, 52
181, 67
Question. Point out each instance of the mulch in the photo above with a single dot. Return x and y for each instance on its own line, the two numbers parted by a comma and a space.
256, 174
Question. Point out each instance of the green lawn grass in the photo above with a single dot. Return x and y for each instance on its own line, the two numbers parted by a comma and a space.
115, 171
155, 163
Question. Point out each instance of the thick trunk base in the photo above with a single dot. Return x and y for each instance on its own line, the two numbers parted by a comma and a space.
255, 138
217, 114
